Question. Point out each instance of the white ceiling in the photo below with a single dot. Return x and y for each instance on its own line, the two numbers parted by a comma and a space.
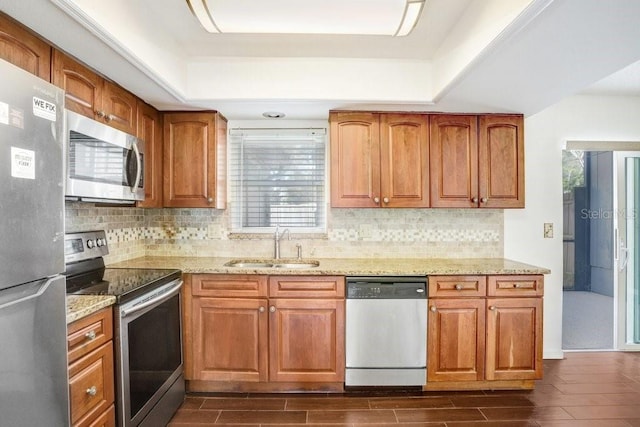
625, 82
464, 55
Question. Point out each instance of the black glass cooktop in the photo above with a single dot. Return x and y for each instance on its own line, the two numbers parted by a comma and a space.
123, 283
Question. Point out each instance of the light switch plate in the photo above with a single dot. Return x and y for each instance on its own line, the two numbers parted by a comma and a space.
548, 230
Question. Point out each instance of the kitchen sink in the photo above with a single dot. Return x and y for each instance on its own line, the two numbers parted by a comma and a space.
282, 264
305, 264
249, 264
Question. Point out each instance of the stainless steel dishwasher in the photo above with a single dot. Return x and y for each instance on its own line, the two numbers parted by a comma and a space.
386, 331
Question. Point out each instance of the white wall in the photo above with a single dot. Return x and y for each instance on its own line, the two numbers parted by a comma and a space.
576, 118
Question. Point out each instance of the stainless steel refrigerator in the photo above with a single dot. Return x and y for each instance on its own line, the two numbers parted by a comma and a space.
34, 387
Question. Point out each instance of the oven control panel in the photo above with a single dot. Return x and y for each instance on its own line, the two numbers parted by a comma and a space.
85, 245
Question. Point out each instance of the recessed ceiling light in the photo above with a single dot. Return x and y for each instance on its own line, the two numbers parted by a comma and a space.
374, 17
273, 115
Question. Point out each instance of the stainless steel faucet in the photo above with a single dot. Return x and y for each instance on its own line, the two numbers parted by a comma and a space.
276, 241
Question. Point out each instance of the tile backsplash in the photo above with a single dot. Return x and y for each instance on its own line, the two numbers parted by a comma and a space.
351, 233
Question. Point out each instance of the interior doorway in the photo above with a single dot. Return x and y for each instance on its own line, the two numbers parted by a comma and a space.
601, 298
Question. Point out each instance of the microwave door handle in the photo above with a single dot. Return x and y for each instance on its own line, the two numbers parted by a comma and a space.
134, 188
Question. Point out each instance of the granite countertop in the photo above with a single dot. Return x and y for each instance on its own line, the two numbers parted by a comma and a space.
344, 266
79, 306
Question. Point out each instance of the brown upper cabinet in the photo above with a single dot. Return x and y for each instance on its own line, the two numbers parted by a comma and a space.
501, 160
87, 93
194, 160
150, 131
477, 161
24, 49
379, 160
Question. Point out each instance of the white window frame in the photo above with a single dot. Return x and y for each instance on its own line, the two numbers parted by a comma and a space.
236, 202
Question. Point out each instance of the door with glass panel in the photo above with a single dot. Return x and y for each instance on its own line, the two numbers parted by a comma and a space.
628, 249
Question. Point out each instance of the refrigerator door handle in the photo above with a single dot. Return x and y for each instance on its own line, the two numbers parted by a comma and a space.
34, 294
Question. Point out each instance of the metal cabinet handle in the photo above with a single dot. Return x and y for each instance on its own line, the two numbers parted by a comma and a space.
100, 114
376, 200
272, 309
209, 199
261, 309
458, 287
484, 200
109, 117
91, 335
474, 200
433, 308
516, 285
386, 200
92, 391
492, 308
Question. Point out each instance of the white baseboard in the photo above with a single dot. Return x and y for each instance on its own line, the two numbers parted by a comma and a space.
553, 354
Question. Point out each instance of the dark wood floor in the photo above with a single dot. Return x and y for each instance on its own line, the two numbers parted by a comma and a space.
583, 390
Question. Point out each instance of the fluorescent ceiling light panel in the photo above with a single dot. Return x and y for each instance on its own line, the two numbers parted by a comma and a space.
410, 17
362, 17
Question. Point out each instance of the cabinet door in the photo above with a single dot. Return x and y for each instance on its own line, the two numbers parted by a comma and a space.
454, 161
119, 108
404, 160
83, 87
229, 340
150, 131
190, 160
24, 49
501, 162
306, 340
456, 339
514, 339
355, 160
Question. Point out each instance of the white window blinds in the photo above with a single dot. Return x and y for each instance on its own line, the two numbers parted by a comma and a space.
278, 178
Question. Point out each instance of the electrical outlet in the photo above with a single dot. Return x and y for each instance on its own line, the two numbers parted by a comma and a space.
548, 230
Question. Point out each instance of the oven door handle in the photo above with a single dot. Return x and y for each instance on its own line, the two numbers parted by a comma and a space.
157, 299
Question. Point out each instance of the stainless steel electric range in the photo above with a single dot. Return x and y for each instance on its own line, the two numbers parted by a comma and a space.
147, 324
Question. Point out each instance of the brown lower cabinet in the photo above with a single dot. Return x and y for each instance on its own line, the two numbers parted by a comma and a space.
264, 333
91, 370
484, 331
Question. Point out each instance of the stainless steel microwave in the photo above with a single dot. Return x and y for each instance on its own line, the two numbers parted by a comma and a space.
103, 164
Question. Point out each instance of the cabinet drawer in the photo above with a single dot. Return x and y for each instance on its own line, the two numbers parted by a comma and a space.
457, 286
106, 419
91, 389
516, 286
306, 286
229, 285
89, 333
